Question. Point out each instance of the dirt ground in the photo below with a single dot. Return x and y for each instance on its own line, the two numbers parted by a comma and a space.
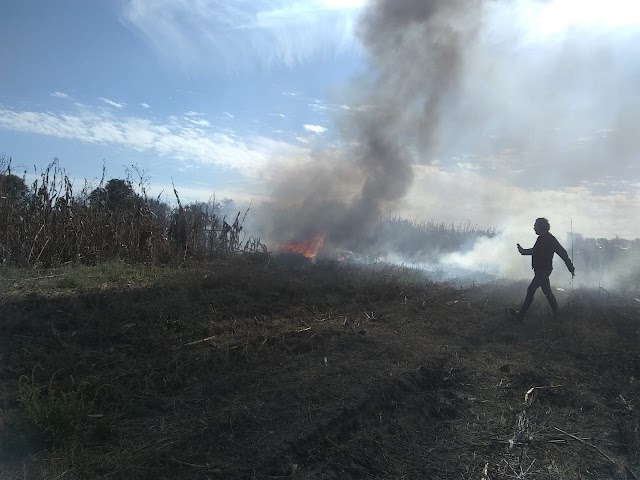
250, 369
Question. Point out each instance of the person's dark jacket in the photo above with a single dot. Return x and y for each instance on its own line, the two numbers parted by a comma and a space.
542, 253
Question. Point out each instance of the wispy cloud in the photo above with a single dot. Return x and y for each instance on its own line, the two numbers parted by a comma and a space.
199, 122
112, 102
177, 138
237, 34
145, 105
57, 94
315, 129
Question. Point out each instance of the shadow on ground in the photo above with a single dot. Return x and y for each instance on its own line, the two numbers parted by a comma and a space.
254, 371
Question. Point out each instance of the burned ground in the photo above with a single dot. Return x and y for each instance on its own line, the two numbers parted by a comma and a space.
248, 369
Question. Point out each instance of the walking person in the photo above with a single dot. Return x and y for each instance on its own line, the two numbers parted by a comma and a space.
542, 263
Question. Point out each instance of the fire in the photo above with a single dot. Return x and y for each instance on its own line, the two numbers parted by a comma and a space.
308, 247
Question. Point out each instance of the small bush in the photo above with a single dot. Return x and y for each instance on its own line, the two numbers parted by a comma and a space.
52, 414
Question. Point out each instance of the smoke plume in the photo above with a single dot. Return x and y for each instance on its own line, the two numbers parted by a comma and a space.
416, 49
496, 112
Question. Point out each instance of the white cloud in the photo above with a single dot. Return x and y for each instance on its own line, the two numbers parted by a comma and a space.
199, 122
145, 105
112, 103
60, 95
319, 106
315, 129
240, 34
178, 138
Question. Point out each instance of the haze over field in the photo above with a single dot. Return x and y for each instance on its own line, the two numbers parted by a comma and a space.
494, 112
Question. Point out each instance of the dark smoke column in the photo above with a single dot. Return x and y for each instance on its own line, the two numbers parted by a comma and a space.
417, 51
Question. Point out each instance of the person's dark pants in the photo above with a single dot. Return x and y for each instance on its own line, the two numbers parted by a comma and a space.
540, 280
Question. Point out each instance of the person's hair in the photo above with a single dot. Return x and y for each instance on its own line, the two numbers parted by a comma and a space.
543, 223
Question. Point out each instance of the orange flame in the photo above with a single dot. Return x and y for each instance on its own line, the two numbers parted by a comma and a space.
308, 248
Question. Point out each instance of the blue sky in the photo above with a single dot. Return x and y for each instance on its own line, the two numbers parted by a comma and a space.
105, 80
219, 95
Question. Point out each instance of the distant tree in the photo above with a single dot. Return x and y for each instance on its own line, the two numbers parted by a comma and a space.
117, 194
13, 187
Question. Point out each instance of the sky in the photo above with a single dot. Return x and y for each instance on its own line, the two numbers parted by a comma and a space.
536, 115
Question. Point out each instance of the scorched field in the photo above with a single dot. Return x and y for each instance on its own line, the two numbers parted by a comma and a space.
246, 368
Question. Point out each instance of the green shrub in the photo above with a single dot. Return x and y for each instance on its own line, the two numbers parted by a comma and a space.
52, 414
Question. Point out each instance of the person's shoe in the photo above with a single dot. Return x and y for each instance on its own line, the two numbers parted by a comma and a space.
510, 313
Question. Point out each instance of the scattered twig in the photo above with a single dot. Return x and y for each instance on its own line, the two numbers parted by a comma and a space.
630, 472
194, 465
587, 444
62, 474
16, 335
262, 344
333, 443
41, 251
533, 389
42, 278
196, 342
538, 440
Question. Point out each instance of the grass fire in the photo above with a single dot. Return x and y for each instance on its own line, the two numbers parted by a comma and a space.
317, 244
192, 355
308, 247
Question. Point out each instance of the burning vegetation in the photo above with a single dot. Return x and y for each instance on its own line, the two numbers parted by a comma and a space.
308, 247
118, 365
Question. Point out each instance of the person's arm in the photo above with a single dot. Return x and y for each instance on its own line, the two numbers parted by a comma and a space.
562, 253
525, 251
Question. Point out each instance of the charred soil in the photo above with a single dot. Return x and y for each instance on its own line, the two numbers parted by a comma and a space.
249, 369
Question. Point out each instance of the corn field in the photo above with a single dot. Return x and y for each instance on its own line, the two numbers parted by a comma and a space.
50, 223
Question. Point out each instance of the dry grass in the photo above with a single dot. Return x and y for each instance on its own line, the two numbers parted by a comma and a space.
52, 224
242, 368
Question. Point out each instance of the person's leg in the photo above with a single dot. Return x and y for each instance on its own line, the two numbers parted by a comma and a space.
531, 291
546, 289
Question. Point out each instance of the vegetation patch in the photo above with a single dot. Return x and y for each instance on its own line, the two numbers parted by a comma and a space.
52, 414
